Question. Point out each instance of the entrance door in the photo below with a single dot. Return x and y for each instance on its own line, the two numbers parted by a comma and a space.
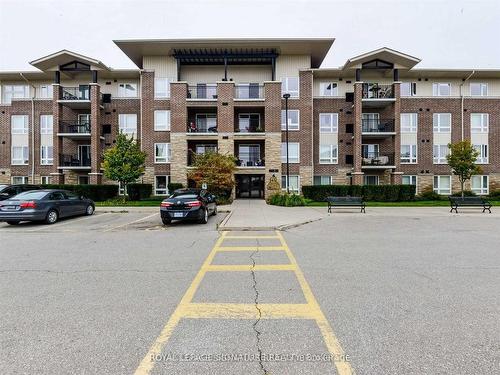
249, 186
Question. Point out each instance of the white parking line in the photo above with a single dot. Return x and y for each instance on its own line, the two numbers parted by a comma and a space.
132, 222
70, 221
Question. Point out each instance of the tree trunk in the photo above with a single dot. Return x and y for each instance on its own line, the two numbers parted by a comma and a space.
462, 186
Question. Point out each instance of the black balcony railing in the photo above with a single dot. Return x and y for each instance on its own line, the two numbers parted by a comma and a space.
66, 160
251, 91
74, 127
377, 125
201, 127
202, 91
377, 159
75, 93
377, 91
250, 163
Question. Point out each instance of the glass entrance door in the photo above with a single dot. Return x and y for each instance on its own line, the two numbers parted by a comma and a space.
249, 186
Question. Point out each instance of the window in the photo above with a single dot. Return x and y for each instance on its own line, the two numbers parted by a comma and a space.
46, 155
161, 185
46, 124
370, 150
441, 122
19, 155
483, 154
293, 152
328, 89
479, 185
45, 180
205, 122
294, 184
441, 89
45, 91
249, 123
478, 89
19, 124
328, 122
127, 123
439, 154
249, 155
408, 154
328, 154
162, 88
162, 120
409, 122
10, 92
408, 89
290, 85
409, 180
293, 119
127, 90
479, 122
370, 180
442, 184
162, 152
19, 180
83, 180
322, 180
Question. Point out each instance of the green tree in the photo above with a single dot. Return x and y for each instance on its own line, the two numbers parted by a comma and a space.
124, 162
462, 160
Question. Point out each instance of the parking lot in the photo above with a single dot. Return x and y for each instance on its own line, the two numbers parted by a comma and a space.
398, 292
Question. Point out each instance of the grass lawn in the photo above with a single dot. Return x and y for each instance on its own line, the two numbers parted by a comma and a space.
151, 202
443, 203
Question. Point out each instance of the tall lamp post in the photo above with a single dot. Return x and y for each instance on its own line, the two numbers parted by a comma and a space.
286, 97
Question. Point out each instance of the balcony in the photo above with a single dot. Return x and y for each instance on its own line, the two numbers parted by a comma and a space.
377, 127
249, 92
250, 155
195, 149
67, 161
202, 91
74, 129
75, 97
249, 124
377, 160
377, 95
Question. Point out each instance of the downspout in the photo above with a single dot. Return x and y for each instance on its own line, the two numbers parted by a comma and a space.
140, 105
32, 128
462, 101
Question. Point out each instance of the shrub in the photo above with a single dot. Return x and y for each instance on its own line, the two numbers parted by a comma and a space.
381, 193
429, 195
287, 200
174, 186
97, 193
495, 194
467, 193
137, 192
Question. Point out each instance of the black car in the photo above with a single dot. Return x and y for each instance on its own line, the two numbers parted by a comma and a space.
188, 204
44, 205
7, 191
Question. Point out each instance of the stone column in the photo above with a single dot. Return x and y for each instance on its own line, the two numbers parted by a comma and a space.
95, 134
178, 129
57, 142
396, 175
272, 114
357, 174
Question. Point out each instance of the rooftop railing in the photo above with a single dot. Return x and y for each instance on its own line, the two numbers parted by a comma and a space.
248, 91
202, 91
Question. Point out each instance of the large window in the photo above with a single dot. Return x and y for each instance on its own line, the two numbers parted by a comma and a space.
45, 180
249, 123
479, 122
409, 180
441, 122
206, 122
161, 185
409, 122
483, 154
293, 152
10, 92
127, 90
19, 124
370, 180
328, 122
441, 89
127, 123
478, 89
328, 154
290, 85
162, 153
45, 91
162, 88
46, 155
293, 119
408, 89
294, 183
249, 155
439, 154
19, 155
46, 124
162, 120
442, 185
322, 180
479, 185
328, 89
19, 180
408, 154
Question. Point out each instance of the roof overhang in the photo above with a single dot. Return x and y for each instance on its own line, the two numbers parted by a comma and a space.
399, 59
52, 61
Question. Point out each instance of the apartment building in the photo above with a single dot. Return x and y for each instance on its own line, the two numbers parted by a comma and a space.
378, 119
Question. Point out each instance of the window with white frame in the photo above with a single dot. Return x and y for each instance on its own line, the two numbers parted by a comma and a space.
10, 92
328, 122
162, 120
20, 155
19, 180
45, 180
293, 119
408, 154
290, 85
162, 88
293, 152
127, 123
409, 122
441, 89
45, 91
294, 186
127, 90
370, 180
439, 153
409, 180
328, 154
478, 89
328, 89
322, 180
46, 155
19, 124
161, 185
162, 153
483, 154
408, 89
441, 122
479, 122
442, 185
121, 189
479, 184
46, 124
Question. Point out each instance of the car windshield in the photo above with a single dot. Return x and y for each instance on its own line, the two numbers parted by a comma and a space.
30, 195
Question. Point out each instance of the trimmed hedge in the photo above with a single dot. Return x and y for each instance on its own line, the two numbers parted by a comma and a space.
97, 193
379, 193
174, 186
287, 200
137, 192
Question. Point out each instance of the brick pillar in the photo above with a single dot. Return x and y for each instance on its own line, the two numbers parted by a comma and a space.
396, 175
306, 128
95, 134
225, 107
272, 115
178, 129
357, 174
57, 112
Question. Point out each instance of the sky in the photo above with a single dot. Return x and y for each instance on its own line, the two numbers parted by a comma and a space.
443, 33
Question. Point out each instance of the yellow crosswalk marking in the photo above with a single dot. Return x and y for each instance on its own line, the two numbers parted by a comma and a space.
250, 248
248, 311
249, 267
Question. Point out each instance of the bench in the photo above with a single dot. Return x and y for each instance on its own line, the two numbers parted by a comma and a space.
456, 202
345, 202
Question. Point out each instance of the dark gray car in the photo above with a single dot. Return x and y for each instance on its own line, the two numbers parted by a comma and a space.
44, 205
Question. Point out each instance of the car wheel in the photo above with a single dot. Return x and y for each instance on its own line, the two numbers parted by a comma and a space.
52, 217
166, 221
215, 211
13, 222
89, 210
204, 218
